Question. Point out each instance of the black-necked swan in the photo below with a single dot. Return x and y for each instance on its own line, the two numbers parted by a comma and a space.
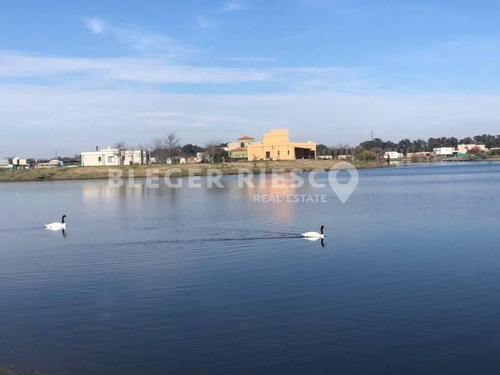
315, 234
57, 226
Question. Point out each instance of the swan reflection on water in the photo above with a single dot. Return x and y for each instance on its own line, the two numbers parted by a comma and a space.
313, 239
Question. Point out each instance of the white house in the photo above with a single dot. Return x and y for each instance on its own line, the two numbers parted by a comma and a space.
54, 163
393, 155
114, 157
443, 151
14, 163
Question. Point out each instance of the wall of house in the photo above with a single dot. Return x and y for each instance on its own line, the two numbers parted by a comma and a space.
443, 151
100, 158
277, 146
239, 154
111, 157
393, 155
243, 143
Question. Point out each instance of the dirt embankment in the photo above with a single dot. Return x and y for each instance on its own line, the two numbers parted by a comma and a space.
140, 171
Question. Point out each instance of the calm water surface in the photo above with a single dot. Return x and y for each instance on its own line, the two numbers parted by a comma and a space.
204, 281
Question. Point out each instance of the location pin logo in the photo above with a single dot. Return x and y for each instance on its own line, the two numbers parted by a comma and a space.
343, 191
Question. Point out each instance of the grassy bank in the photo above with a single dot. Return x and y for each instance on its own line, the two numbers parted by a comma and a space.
86, 173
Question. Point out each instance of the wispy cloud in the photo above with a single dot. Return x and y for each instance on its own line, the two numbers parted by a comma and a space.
148, 42
253, 59
96, 25
140, 39
204, 23
154, 70
138, 70
232, 5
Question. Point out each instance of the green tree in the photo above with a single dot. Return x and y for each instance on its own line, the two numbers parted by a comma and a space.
366, 155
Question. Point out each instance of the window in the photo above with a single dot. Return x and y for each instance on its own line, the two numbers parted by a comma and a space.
288, 152
242, 144
268, 154
99, 159
111, 159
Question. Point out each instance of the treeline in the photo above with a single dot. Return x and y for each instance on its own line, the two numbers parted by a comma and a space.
379, 146
341, 149
420, 145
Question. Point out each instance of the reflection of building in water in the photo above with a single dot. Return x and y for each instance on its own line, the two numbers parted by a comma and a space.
98, 190
131, 192
265, 198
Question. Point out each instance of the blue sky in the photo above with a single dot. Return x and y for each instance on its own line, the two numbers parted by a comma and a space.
83, 73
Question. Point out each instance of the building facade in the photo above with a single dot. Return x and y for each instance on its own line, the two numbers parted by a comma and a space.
443, 151
393, 155
276, 145
238, 150
114, 157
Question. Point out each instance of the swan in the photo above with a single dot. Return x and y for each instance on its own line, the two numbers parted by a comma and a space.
57, 226
309, 235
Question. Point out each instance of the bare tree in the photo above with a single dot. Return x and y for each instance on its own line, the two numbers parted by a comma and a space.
163, 148
157, 149
172, 145
121, 149
144, 153
214, 151
474, 151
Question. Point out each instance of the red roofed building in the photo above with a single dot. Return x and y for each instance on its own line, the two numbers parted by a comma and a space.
238, 150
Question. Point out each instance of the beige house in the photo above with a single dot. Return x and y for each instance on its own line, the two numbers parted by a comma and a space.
464, 148
276, 145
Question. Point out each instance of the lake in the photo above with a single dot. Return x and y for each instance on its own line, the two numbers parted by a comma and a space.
209, 281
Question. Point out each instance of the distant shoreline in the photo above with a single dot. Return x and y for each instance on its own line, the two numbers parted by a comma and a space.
140, 171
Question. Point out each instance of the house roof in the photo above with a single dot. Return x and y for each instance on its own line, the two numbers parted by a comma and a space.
245, 137
238, 149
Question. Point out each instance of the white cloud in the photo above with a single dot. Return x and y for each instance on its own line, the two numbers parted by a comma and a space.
204, 23
156, 71
149, 42
231, 5
253, 59
140, 39
96, 25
